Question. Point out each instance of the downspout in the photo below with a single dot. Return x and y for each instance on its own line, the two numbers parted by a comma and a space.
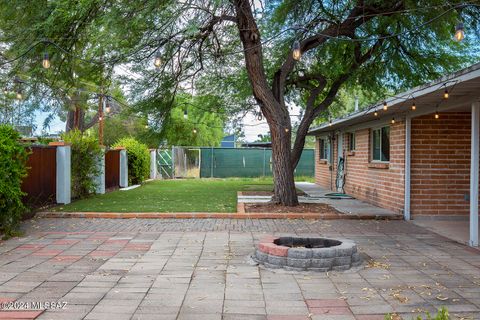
408, 140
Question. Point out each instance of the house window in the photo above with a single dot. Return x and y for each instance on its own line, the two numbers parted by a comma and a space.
351, 141
324, 146
381, 144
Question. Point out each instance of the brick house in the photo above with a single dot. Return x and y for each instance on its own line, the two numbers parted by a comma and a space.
410, 153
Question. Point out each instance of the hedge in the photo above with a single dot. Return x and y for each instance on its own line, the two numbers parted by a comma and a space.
138, 159
13, 158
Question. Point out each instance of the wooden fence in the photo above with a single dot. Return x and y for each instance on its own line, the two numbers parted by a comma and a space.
112, 169
40, 183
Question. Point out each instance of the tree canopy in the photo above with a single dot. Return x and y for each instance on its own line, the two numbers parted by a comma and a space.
239, 52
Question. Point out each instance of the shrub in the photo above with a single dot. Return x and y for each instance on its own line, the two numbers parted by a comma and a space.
85, 154
138, 159
13, 158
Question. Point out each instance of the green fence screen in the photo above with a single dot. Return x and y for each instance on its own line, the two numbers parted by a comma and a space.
247, 162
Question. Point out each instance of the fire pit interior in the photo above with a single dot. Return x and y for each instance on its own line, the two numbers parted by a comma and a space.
308, 243
300, 254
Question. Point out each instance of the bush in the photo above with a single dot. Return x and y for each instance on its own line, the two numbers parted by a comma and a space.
13, 158
138, 159
85, 154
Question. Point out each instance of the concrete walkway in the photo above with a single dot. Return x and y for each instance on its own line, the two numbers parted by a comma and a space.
200, 269
347, 206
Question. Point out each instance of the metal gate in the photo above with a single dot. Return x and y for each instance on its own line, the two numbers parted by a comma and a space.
179, 162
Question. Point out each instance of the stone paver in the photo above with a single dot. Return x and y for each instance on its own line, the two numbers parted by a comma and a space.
200, 269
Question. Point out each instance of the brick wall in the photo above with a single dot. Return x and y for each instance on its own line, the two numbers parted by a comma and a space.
440, 176
381, 185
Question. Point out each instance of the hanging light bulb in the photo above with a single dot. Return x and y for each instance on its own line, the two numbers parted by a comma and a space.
158, 60
108, 109
437, 116
385, 106
46, 61
375, 113
185, 114
330, 122
5, 91
296, 52
100, 118
459, 32
146, 126
445, 94
393, 120
259, 117
194, 130
414, 107
287, 130
19, 95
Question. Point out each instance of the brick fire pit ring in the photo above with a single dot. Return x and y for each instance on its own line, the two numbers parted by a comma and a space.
307, 254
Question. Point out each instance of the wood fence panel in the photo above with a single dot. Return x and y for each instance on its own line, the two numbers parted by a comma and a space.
112, 169
41, 181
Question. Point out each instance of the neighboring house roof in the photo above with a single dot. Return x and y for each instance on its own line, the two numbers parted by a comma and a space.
257, 145
464, 87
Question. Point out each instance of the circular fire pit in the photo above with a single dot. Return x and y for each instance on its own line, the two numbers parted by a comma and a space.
300, 254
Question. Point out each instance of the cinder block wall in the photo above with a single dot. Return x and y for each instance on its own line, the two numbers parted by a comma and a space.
440, 176
379, 184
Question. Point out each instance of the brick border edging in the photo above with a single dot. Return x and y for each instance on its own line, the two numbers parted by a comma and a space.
193, 215
338, 258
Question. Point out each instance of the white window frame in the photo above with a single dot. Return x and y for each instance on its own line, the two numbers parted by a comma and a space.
328, 149
350, 135
371, 143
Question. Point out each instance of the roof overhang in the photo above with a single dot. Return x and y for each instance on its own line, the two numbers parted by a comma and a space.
464, 88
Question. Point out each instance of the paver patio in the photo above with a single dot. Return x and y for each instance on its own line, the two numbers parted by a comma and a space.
199, 269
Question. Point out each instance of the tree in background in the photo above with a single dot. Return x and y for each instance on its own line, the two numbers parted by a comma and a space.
241, 51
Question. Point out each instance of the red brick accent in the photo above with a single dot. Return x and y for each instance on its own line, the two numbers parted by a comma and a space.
321, 303
379, 184
330, 310
440, 175
19, 314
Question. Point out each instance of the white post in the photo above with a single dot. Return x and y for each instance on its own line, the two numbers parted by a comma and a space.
100, 178
123, 169
474, 174
408, 141
63, 179
153, 163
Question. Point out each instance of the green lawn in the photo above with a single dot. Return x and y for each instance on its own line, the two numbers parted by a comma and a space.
199, 195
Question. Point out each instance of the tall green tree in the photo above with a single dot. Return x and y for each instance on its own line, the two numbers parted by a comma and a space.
242, 51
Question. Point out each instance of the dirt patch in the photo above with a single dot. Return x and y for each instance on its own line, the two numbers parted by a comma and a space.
301, 208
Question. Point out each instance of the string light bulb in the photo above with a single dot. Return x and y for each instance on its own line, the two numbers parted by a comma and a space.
158, 59
19, 95
259, 116
100, 118
108, 109
393, 121
46, 61
185, 114
385, 106
414, 106
459, 32
296, 51
5, 91
194, 130
446, 94
330, 122
375, 113
437, 116
287, 130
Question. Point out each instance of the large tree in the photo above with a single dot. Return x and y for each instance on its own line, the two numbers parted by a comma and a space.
242, 49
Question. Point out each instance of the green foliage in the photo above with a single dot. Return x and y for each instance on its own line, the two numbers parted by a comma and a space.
441, 315
85, 154
138, 159
13, 157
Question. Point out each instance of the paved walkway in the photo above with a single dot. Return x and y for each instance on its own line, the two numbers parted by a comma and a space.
347, 206
199, 269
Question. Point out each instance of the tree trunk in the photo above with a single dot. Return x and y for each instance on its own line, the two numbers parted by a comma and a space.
285, 192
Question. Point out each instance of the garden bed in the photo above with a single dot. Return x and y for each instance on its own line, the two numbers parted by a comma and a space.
320, 208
